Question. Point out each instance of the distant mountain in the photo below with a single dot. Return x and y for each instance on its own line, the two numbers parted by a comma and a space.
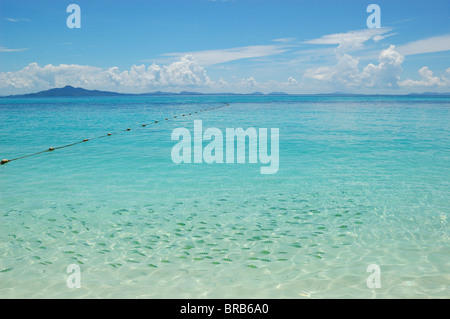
68, 91
158, 93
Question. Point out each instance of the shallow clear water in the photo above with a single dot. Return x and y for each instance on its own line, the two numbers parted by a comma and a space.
362, 180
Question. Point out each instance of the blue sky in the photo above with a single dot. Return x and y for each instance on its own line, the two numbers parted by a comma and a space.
226, 46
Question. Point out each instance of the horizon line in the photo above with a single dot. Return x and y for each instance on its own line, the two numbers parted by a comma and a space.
274, 93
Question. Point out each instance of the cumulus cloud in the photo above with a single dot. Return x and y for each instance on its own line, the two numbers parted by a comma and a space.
427, 79
346, 73
248, 83
184, 73
291, 81
386, 73
181, 75
342, 73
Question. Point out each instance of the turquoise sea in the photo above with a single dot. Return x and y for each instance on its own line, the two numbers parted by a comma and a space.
362, 180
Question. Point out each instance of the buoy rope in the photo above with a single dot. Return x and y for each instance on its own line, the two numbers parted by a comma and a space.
4, 161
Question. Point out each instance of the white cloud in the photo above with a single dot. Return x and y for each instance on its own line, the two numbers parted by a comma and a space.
284, 40
323, 73
346, 73
248, 83
221, 83
352, 40
3, 49
429, 45
292, 81
184, 73
427, 79
17, 19
211, 57
343, 73
386, 73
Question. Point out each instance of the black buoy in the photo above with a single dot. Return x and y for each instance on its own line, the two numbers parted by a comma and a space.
85, 140
144, 125
4, 161
128, 129
51, 149
109, 134
156, 121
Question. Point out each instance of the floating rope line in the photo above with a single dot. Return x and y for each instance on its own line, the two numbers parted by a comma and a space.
51, 149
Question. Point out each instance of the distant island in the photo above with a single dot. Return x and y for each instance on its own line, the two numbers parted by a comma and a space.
70, 91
